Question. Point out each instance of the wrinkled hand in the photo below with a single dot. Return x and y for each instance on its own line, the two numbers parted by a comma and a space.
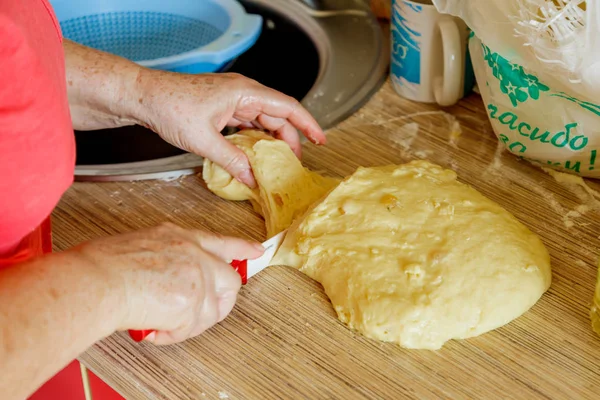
174, 280
190, 111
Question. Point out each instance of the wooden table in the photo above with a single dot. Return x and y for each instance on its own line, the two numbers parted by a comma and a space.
283, 340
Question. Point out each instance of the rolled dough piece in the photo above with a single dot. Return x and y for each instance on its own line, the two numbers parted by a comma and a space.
407, 254
285, 188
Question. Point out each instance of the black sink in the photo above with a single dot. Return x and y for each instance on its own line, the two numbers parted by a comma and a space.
283, 58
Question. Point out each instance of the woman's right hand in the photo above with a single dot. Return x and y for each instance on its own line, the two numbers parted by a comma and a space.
173, 280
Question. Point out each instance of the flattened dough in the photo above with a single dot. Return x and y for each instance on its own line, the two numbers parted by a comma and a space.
285, 188
406, 253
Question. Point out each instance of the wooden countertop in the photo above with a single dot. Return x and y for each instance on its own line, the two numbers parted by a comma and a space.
283, 340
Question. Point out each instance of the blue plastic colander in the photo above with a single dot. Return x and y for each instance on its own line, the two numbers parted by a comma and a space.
191, 36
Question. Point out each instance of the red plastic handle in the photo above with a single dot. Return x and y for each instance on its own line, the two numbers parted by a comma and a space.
241, 267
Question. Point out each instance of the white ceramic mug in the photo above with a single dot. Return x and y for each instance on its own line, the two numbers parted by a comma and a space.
429, 61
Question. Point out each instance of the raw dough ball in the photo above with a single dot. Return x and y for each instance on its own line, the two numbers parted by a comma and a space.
407, 254
224, 185
285, 188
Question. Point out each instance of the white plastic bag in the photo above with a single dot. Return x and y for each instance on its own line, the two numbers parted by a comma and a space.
537, 64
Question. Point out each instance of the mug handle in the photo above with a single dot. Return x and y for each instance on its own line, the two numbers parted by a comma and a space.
447, 88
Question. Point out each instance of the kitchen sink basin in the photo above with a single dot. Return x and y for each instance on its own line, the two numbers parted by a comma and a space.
330, 55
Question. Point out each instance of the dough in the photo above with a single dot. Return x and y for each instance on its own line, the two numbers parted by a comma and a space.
285, 188
406, 253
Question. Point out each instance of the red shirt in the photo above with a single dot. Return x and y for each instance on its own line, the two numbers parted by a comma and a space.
37, 148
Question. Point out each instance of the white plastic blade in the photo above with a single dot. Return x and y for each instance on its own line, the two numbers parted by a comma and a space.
271, 246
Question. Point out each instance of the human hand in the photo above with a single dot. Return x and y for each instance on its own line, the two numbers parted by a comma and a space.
190, 111
175, 281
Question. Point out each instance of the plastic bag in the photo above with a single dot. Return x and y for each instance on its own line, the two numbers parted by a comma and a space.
537, 64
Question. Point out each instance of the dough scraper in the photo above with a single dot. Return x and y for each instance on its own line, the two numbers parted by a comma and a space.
246, 269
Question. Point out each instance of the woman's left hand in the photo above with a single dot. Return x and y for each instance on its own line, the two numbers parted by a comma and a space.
190, 111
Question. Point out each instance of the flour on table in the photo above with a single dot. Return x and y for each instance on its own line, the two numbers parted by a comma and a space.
498, 172
588, 196
454, 128
423, 153
577, 185
406, 135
